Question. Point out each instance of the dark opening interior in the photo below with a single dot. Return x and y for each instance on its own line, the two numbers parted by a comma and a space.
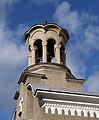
38, 55
50, 50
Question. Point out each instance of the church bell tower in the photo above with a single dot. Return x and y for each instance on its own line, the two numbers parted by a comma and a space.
48, 89
46, 44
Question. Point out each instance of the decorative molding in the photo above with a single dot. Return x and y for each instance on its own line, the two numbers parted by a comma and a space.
20, 106
70, 108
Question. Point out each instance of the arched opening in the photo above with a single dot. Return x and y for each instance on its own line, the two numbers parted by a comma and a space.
94, 115
82, 113
62, 54
63, 112
49, 110
76, 113
50, 50
88, 114
69, 112
56, 111
38, 52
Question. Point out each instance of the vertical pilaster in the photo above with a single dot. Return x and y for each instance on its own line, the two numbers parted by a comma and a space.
57, 53
34, 48
44, 45
29, 58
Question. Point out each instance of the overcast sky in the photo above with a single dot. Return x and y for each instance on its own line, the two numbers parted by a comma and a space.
79, 17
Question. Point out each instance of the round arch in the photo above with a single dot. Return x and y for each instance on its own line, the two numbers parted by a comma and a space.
50, 50
38, 52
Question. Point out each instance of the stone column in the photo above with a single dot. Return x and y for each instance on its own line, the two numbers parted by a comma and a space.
34, 48
44, 45
57, 53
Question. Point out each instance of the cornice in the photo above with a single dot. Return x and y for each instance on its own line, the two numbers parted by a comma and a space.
25, 74
70, 108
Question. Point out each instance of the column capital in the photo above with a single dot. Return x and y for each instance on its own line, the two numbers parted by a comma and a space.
34, 47
57, 45
44, 43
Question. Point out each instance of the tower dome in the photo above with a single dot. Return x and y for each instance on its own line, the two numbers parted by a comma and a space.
46, 43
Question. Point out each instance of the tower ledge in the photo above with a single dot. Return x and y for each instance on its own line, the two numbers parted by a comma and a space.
39, 70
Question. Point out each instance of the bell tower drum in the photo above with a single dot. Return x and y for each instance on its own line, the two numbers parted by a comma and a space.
46, 43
